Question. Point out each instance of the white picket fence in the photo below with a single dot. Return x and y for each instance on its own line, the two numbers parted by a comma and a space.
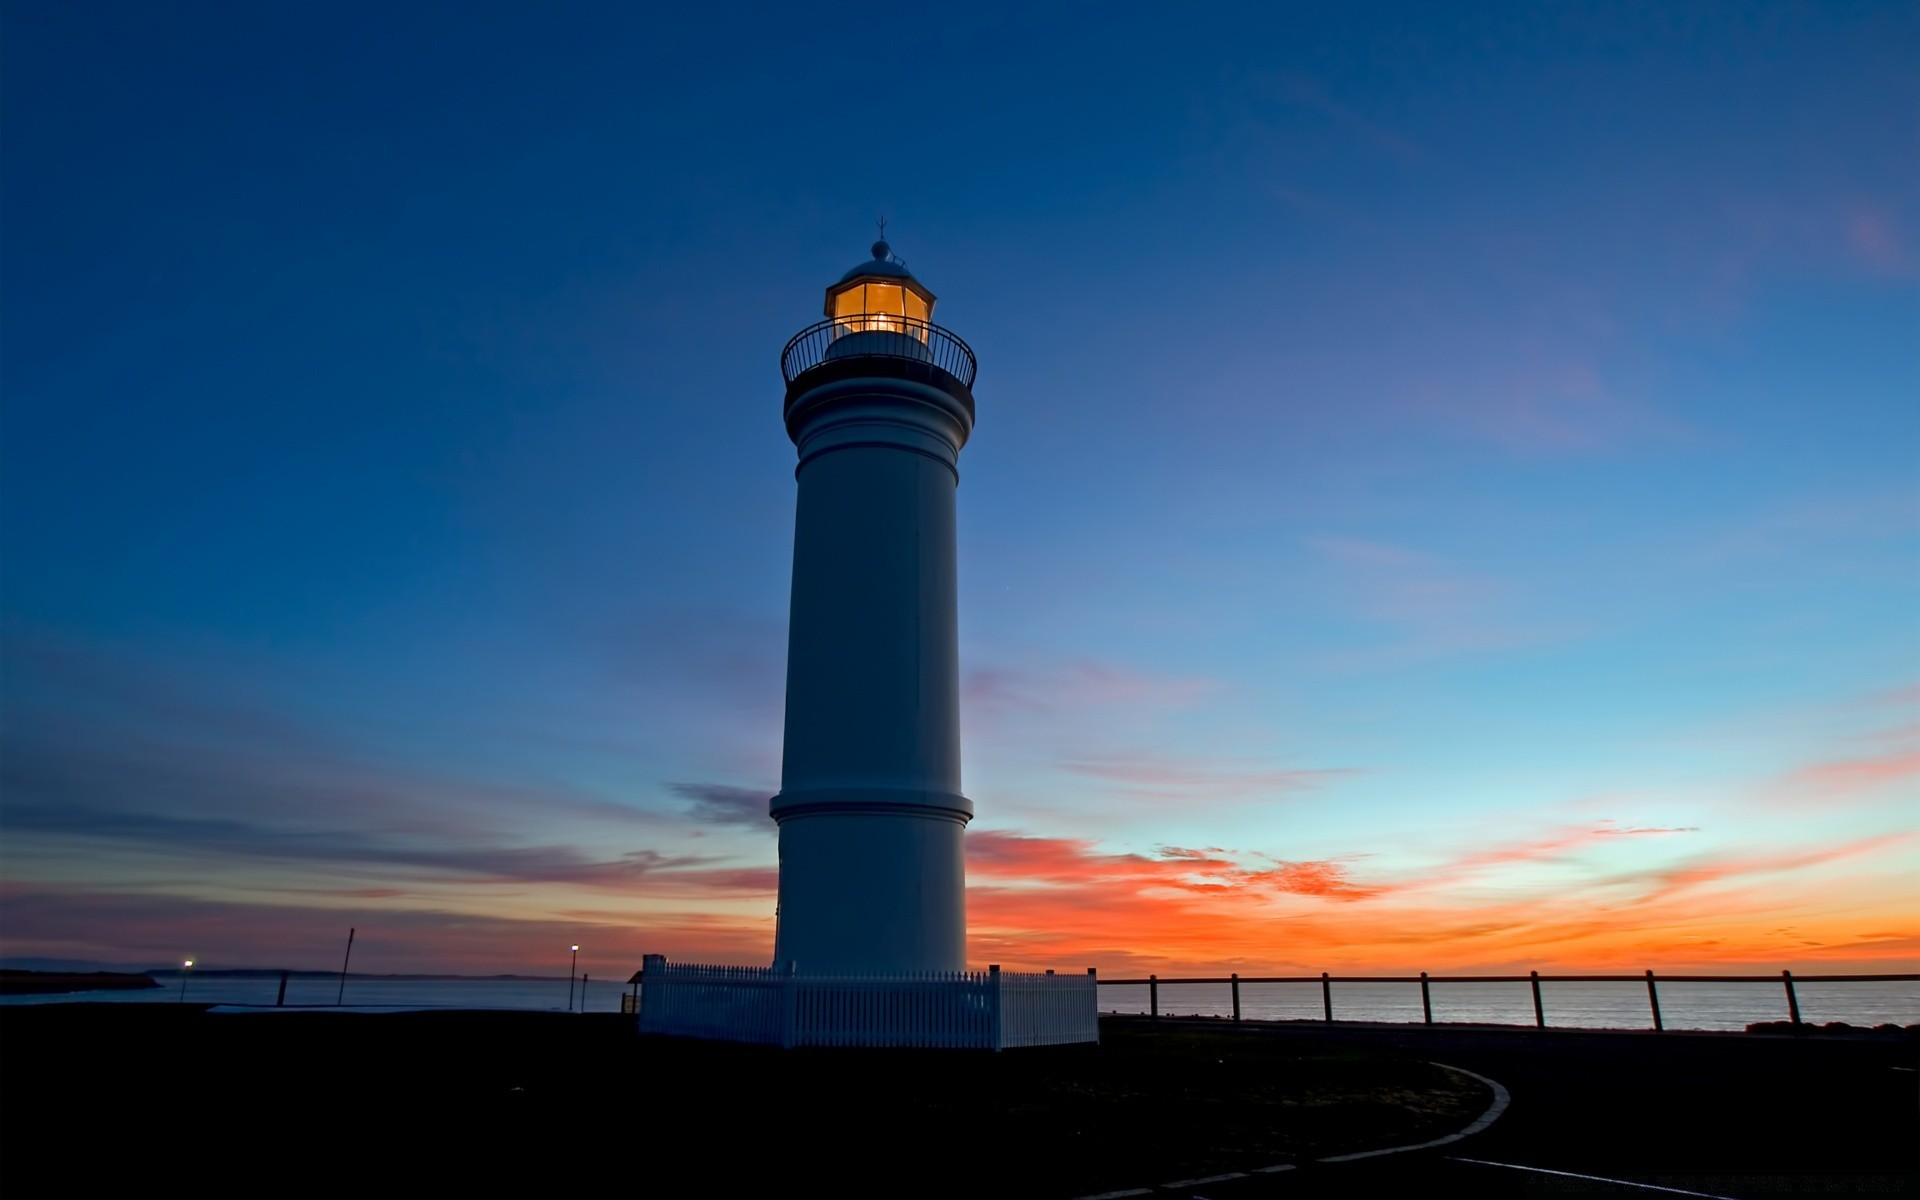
991, 1009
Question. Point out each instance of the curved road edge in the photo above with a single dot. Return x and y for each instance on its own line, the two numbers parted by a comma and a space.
1501, 1098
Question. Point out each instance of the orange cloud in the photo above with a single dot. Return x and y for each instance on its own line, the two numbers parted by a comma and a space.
1858, 774
1329, 879
1047, 901
1037, 901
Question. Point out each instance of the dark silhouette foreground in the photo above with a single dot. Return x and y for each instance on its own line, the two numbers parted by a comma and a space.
581, 1100
146, 1094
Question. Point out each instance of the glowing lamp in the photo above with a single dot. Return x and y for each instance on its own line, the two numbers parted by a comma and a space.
880, 296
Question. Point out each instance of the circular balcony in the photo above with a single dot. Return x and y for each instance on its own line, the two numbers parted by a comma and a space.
900, 340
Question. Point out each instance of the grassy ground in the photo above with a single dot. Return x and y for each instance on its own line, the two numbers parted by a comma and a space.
525, 1099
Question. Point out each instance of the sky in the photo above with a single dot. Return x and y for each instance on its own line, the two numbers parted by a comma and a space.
1446, 492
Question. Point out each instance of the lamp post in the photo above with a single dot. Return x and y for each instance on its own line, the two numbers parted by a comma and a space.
186, 969
570, 968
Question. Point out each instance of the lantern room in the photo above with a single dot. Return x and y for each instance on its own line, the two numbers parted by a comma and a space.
880, 296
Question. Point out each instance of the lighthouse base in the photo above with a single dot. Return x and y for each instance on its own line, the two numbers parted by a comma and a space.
982, 1010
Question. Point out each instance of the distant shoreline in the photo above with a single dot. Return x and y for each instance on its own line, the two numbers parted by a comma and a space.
277, 972
53, 983
19, 981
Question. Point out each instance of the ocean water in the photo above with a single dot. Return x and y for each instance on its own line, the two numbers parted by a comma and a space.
548, 995
1567, 1005
1581, 1005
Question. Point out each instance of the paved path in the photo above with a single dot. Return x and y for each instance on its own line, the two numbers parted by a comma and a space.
1729, 1115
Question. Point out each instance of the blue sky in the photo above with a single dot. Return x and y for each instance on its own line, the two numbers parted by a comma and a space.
1441, 471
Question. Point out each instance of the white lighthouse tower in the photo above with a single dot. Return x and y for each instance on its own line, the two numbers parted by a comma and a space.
871, 946
879, 403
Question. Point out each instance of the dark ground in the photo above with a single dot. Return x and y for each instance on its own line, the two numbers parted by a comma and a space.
167, 1097
542, 1098
1725, 1114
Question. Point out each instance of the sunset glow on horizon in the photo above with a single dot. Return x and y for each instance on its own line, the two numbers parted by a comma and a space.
1446, 493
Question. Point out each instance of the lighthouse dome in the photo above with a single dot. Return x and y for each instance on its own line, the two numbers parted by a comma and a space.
881, 266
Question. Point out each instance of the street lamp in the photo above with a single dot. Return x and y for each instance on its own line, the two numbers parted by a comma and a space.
570, 968
186, 968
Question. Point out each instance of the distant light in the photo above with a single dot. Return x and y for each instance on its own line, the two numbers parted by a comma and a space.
576, 947
187, 963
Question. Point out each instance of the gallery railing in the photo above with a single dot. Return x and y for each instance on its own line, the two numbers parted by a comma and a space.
1326, 981
878, 335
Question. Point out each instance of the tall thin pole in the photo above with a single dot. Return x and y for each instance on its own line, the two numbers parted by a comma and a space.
186, 969
570, 969
341, 998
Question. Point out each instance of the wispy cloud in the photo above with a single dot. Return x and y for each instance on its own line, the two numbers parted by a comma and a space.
1551, 847
1795, 526
1075, 686
1656, 885
1438, 608
1847, 776
1907, 696
383, 854
1314, 95
151, 928
1876, 241
1173, 777
1550, 406
722, 804
118, 773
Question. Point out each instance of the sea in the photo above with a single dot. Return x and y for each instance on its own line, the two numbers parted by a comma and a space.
384, 992
1565, 1005
1718, 1006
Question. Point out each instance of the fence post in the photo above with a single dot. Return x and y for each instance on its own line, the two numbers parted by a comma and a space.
993, 988
1793, 1001
1236, 995
653, 975
1426, 999
1539, 1012
789, 1008
1153, 996
1326, 995
1653, 1000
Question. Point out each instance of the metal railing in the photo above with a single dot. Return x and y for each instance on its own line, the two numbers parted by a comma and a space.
1326, 981
877, 335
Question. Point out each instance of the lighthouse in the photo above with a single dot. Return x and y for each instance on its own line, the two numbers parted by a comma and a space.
879, 403
870, 945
